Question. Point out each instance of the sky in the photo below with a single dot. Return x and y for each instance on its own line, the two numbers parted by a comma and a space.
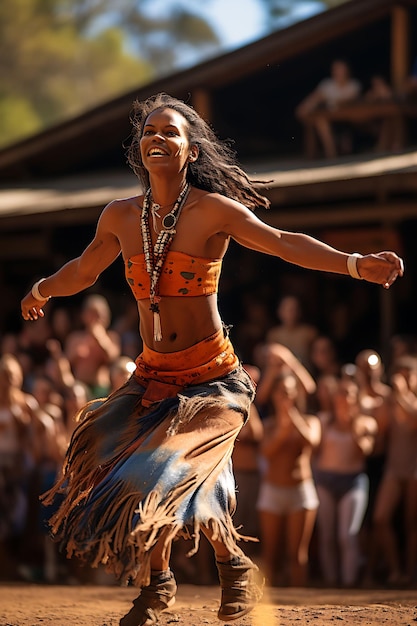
235, 21
238, 22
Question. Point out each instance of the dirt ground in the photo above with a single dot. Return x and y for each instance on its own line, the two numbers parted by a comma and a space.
41, 605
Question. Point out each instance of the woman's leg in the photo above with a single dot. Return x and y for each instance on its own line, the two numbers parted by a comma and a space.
158, 595
325, 133
388, 498
326, 524
411, 529
272, 530
160, 555
238, 579
351, 511
300, 525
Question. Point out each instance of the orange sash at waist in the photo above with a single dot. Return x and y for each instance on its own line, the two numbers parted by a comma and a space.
209, 359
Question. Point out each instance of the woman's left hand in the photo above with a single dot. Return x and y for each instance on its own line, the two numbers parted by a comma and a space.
382, 268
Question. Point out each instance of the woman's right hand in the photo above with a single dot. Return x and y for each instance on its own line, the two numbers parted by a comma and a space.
32, 308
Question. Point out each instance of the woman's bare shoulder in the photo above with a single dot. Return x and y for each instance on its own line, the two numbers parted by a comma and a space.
124, 204
121, 208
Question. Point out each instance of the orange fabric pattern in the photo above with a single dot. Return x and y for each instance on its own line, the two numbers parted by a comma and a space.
182, 275
211, 358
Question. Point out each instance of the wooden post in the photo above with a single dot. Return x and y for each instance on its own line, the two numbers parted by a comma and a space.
202, 102
387, 320
400, 46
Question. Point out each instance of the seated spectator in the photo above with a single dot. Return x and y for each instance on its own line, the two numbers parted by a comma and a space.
389, 130
342, 486
330, 93
288, 500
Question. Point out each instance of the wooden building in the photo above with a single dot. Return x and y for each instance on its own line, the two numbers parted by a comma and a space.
54, 185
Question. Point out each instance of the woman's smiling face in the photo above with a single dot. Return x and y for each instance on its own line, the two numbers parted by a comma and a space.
165, 141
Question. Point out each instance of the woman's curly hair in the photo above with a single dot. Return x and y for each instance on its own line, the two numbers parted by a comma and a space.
216, 170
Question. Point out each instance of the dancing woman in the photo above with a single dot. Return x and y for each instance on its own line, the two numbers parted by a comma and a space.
153, 460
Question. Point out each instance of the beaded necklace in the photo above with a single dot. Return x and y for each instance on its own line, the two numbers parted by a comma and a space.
155, 255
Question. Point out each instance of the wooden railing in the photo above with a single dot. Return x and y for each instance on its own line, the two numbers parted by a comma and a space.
356, 113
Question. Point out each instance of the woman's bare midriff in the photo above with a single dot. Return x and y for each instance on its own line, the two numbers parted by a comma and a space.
185, 321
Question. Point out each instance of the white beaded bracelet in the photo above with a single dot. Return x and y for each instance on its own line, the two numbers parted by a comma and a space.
352, 265
37, 294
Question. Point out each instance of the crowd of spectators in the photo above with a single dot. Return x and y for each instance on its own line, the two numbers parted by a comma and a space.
325, 469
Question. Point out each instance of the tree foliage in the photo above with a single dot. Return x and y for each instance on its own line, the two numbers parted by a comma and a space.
60, 57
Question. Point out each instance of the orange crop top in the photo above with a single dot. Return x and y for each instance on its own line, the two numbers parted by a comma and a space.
182, 275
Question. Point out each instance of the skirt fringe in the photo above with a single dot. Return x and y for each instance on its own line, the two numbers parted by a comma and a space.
136, 475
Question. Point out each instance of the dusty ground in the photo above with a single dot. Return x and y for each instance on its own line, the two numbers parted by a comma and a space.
38, 605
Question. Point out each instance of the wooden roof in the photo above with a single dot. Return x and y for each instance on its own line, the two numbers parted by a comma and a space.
94, 139
297, 185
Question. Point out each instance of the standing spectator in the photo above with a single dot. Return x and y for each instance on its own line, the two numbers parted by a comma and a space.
49, 444
288, 501
292, 332
120, 371
16, 460
374, 400
330, 93
326, 373
48, 399
399, 482
275, 360
401, 345
91, 350
126, 326
252, 329
61, 324
342, 485
75, 398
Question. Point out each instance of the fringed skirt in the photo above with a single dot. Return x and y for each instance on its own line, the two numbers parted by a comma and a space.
153, 461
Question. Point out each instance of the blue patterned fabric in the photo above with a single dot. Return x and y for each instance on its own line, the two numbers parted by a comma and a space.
135, 472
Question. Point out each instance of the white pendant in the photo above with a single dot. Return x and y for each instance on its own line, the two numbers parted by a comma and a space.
157, 330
